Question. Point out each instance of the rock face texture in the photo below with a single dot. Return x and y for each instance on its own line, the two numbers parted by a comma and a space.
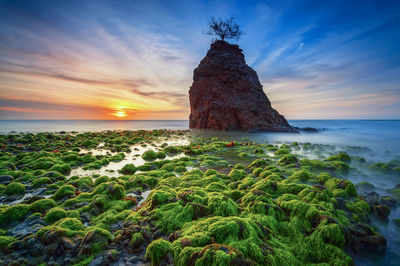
227, 95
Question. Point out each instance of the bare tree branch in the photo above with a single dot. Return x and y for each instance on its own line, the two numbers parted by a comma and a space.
225, 29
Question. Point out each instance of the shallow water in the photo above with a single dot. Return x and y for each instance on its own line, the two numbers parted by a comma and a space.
134, 157
380, 136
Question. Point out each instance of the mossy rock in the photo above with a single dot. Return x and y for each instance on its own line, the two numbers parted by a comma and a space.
149, 155
65, 191
41, 181
55, 214
156, 250
42, 205
15, 188
366, 186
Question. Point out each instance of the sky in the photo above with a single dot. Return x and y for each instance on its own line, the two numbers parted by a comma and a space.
120, 59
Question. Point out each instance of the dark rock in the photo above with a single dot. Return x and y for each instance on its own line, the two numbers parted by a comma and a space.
13, 198
92, 237
97, 261
27, 227
308, 129
185, 242
5, 179
52, 236
51, 249
227, 95
377, 242
133, 260
174, 236
372, 197
136, 243
362, 237
33, 199
112, 256
388, 201
382, 211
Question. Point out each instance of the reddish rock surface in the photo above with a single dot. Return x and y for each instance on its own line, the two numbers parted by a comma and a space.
227, 95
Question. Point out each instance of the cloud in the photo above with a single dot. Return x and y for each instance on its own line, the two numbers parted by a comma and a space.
122, 54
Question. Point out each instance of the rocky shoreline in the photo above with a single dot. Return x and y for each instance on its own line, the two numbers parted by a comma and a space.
175, 199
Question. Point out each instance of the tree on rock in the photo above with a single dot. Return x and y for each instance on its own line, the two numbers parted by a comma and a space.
225, 29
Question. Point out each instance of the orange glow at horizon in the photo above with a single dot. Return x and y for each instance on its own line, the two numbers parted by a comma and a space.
120, 112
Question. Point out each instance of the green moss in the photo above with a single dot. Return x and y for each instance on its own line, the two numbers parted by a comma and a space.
359, 206
15, 188
66, 226
102, 179
344, 157
84, 182
161, 195
173, 216
161, 155
149, 155
63, 191
42, 205
64, 169
300, 176
116, 191
282, 151
258, 151
341, 187
93, 165
363, 185
137, 240
236, 174
288, 159
41, 181
9, 214
118, 157
43, 162
128, 169
55, 214
222, 205
6, 241
172, 149
156, 250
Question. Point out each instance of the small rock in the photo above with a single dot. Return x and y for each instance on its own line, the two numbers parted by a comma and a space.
388, 201
112, 255
185, 242
372, 197
133, 260
97, 261
382, 210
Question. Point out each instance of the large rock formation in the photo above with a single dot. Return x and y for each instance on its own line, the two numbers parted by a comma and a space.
227, 95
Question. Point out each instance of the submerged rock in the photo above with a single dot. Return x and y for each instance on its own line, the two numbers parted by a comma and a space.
227, 95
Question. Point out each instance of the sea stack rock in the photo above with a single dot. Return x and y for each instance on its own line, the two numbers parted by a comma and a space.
227, 95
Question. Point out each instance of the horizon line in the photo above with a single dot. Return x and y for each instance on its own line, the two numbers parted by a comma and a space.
119, 120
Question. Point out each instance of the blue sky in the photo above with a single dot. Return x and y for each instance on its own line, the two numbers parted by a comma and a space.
95, 59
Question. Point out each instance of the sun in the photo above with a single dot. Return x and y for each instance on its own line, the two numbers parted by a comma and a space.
120, 112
